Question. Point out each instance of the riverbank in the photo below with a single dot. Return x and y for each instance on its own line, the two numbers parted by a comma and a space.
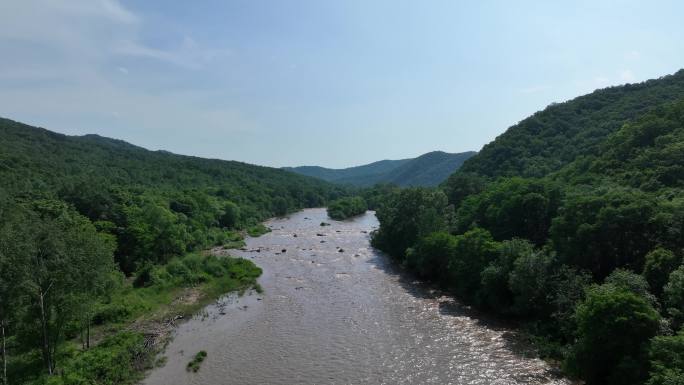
135, 323
339, 312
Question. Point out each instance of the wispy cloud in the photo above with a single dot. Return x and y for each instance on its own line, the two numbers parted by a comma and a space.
69, 57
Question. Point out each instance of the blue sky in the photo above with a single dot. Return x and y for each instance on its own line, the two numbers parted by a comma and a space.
331, 83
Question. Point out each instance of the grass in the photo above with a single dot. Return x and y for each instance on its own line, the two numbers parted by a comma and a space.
194, 365
234, 240
258, 230
120, 354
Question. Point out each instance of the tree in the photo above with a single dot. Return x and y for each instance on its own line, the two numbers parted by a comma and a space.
530, 283
69, 262
614, 326
673, 296
407, 216
657, 268
666, 355
512, 207
602, 229
429, 258
495, 291
461, 185
348, 207
473, 252
280, 206
630, 281
230, 216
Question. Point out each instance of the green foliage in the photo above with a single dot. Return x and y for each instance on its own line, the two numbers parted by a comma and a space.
344, 208
473, 251
258, 230
551, 139
530, 282
77, 211
429, 259
673, 295
632, 282
660, 263
158, 205
375, 196
118, 360
495, 292
585, 192
194, 365
666, 355
408, 215
603, 229
231, 215
614, 326
512, 207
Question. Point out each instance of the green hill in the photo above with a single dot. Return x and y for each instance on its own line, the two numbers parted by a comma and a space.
108, 180
554, 137
428, 169
572, 223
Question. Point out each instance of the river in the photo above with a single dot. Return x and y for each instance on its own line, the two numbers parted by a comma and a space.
336, 311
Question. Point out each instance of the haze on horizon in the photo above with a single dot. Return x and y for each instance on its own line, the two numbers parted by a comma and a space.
326, 83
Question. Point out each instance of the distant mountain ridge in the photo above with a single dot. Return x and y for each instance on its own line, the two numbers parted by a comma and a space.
428, 169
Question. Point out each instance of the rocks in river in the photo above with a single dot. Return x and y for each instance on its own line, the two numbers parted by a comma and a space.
325, 224
283, 251
320, 235
322, 241
294, 235
341, 250
364, 231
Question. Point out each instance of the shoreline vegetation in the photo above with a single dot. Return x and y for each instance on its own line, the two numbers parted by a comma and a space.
571, 223
347, 207
131, 328
97, 233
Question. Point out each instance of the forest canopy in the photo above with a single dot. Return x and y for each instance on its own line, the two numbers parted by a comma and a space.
572, 223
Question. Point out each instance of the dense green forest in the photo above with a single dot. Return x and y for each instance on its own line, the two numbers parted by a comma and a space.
348, 207
427, 170
97, 233
572, 223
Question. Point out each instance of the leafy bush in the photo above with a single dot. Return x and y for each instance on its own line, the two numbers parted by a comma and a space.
344, 208
194, 365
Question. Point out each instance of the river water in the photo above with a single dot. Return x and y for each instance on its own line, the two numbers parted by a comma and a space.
336, 311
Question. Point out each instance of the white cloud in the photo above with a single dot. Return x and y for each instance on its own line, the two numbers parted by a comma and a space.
67, 60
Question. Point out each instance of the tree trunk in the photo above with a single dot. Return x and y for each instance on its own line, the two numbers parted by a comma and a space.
46, 343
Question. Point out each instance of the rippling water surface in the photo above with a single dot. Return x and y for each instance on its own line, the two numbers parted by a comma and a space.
335, 311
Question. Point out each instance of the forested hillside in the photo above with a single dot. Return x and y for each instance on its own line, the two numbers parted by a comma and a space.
362, 175
428, 169
572, 223
554, 137
79, 214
